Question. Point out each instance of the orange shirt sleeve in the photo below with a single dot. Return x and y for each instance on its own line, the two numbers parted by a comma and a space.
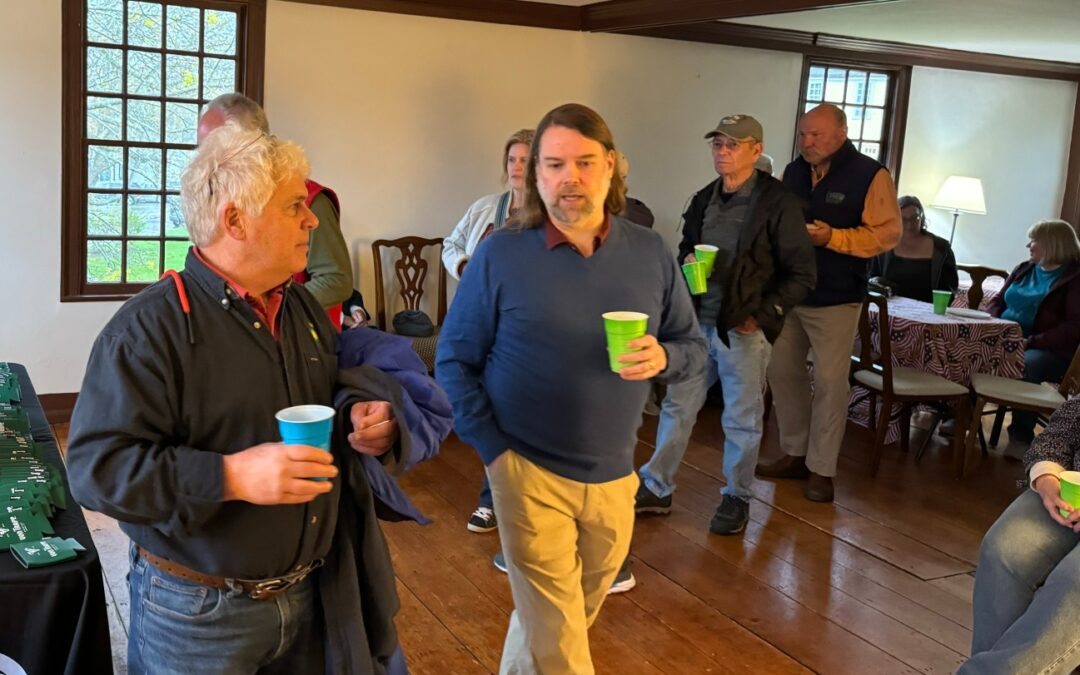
880, 228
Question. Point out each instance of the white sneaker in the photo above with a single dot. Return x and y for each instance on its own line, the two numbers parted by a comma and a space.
482, 520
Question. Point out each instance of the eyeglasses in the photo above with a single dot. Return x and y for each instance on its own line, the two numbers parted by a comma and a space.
718, 143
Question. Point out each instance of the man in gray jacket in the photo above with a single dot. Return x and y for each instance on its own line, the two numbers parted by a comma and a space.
764, 266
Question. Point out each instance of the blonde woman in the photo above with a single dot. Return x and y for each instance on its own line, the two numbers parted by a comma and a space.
491, 212
1043, 295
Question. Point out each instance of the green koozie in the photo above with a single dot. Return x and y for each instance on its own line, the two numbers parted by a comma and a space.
46, 551
16, 528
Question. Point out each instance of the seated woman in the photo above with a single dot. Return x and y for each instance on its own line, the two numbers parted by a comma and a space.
1027, 585
921, 263
1043, 295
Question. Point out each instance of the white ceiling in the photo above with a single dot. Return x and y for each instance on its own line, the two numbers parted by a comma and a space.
1037, 29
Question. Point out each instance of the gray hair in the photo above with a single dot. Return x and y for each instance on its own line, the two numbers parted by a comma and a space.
764, 163
236, 165
241, 109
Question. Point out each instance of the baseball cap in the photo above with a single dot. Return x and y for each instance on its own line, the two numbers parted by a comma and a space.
739, 127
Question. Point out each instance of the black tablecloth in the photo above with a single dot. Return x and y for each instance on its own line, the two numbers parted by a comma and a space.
53, 619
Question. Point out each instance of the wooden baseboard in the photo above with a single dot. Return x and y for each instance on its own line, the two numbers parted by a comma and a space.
58, 407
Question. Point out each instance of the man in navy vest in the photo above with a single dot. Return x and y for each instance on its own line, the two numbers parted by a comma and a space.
851, 215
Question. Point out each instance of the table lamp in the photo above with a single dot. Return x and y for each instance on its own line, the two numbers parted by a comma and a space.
960, 194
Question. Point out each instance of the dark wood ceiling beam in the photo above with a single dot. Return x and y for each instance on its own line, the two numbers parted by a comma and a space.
512, 12
878, 51
630, 15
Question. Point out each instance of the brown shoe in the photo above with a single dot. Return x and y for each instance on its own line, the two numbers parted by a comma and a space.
818, 488
787, 467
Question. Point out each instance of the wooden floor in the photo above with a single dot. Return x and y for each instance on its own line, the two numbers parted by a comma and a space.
878, 582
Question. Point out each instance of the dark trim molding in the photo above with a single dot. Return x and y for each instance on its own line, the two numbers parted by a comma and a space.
1070, 204
58, 407
880, 51
511, 12
628, 15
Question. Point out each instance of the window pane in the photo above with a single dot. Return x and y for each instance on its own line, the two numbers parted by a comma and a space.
144, 216
854, 121
219, 77
103, 262
871, 149
878, 89
834, 85
872, 125
103, 118
102, 214
144, 121
856, 87
178, 161
182, 28
176, 254
174, 219
144, 24
143, 261
810, 105
104, 68
220, 35
815, 83
144, 73
144, 172
105, 21
181, 122
105, 167
182, 76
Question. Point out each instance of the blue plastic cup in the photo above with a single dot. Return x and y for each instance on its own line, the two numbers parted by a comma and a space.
306, 425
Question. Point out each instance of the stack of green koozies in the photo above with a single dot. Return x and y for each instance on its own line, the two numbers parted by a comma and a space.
30, 489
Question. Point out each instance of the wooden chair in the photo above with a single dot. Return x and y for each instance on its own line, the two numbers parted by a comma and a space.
411, 272
979, 274
905, 386
1021, 395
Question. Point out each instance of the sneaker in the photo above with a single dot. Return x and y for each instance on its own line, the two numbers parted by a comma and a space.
624, 581
482, 520
646, 502
730, 516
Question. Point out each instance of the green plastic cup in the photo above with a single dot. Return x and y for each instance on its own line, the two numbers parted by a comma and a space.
706, 254
941, 301
695, 277
621, 328
1070, 490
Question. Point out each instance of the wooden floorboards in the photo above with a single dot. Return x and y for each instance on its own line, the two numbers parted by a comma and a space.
878, 582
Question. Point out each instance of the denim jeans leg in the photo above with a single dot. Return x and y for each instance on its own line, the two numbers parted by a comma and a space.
1039, 366
1027, 602
175, 623
485, 493
678, 414
742, 374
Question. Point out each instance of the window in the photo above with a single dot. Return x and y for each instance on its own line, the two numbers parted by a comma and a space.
873, 98
136, 75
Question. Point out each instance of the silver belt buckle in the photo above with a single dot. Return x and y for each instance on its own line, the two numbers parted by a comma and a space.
270, 587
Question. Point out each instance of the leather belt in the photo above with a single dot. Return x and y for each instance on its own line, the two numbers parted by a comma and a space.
256, 589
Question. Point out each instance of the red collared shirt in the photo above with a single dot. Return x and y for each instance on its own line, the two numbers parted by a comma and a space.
554, 235
266, 310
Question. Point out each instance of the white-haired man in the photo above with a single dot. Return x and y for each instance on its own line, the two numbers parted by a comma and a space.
235, 549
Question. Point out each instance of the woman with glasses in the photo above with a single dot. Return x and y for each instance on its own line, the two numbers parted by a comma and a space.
921, 263
1043, 295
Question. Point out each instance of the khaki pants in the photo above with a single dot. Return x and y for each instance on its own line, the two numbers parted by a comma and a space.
563, 542
813, 426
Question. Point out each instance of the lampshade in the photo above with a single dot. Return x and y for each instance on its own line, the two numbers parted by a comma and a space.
960, 193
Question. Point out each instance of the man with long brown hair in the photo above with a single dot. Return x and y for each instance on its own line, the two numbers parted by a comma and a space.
522, 355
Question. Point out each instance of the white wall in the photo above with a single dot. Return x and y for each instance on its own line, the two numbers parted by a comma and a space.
405, 117
1011, 132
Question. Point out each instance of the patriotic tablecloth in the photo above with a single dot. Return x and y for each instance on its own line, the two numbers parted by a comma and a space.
952, 346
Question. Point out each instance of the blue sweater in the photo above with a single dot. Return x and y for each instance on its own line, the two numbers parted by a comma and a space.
523, 356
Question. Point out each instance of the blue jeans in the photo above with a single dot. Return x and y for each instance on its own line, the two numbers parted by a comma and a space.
180, 627
1039, 366
741, 371
485, 494
1027, 595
